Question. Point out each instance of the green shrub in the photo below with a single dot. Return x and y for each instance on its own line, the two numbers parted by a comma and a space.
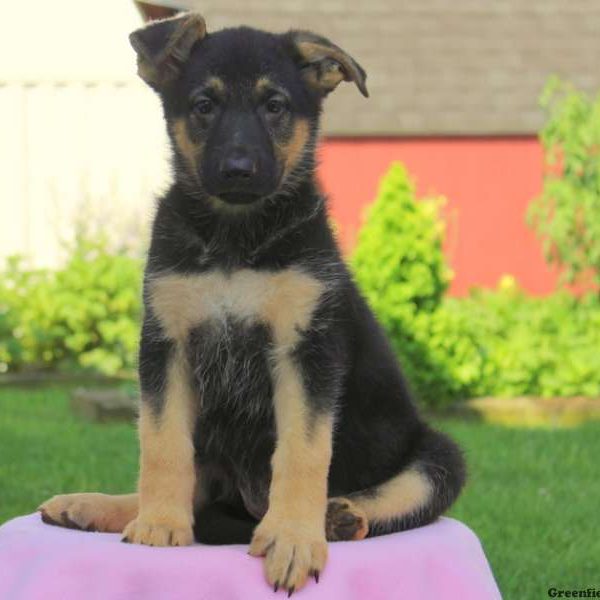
531, 346
83, 316
492, 343
398, 261
566, 213
399, 265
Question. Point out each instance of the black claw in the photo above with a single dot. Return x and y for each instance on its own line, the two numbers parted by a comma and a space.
316, 575
125, 540
276, 587
291, 591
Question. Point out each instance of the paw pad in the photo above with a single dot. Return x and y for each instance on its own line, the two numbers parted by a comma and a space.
345, 521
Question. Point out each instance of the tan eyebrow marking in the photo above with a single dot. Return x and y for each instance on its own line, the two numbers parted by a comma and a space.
264, 85
217, 85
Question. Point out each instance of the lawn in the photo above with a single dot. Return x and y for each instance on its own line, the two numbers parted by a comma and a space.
532, 497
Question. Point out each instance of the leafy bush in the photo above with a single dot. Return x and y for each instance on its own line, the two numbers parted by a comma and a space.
399, 265
82, 316
398, 260
492, 343
530, 346
566, 213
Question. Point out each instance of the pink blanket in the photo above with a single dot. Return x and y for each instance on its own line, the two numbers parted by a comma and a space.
37, 561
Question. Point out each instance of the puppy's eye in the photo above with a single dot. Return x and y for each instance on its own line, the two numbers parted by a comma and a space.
275, 106
204, 106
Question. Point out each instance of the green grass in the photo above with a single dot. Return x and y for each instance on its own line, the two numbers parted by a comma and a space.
532, 496
533, 499
44, 450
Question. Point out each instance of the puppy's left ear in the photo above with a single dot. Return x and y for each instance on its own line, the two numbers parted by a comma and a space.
164, 46
324, 64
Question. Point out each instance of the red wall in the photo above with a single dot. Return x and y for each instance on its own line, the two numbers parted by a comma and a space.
488, 183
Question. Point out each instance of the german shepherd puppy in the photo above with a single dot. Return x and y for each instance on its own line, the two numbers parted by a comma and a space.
273, 410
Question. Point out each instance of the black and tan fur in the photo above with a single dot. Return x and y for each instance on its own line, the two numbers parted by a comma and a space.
273, 409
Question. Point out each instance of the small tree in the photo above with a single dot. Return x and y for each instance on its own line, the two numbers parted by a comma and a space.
398, 261
400, 267
567, 213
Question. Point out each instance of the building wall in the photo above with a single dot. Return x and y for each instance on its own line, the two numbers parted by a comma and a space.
88, 154
488, 183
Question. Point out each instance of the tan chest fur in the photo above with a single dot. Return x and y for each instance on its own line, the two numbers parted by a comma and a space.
285, 300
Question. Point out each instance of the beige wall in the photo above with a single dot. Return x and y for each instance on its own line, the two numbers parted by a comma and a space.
81, 137
77, 151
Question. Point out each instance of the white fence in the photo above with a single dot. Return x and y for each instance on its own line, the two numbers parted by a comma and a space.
73, 151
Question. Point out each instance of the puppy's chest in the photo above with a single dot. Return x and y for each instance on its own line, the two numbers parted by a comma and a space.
283, 301
234, 328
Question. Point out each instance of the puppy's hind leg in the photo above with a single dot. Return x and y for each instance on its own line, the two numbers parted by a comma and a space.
90, 511
416, 496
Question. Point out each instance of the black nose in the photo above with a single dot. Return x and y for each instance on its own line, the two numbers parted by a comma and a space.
237, 166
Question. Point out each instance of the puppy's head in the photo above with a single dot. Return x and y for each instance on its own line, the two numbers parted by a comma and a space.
241, 105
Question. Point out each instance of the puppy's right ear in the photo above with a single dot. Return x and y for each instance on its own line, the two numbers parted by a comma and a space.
163, 47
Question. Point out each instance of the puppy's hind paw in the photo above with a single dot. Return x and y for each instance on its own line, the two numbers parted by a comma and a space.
345, 521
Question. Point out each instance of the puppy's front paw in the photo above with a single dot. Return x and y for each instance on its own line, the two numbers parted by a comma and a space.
163, 531
292, 554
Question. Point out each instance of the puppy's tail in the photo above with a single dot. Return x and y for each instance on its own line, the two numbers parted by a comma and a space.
425, 488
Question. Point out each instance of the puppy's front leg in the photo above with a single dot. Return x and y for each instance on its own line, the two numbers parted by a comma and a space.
167, 473
291, 535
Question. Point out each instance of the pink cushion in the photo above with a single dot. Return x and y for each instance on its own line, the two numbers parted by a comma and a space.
37, 561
